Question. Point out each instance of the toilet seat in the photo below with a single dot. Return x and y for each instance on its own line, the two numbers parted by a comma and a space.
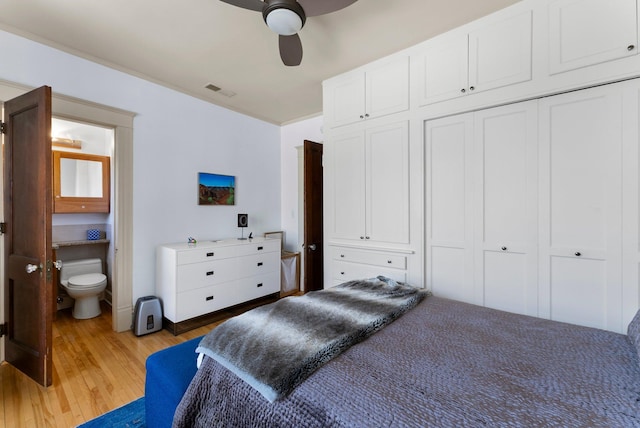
87, 280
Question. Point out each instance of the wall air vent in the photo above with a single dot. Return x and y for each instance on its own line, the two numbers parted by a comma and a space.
219, 90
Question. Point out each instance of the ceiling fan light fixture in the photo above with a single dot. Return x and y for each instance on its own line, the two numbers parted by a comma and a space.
284, 21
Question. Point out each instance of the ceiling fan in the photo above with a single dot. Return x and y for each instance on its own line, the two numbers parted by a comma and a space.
287, 17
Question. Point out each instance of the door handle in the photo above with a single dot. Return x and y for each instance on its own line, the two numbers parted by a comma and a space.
31, 268
312, 247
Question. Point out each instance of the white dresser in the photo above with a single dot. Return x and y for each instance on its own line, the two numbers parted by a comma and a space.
196, 281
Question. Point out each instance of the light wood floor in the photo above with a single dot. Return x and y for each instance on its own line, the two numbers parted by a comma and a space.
94, 370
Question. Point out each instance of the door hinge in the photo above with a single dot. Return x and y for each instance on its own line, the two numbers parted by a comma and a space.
4, 329
3, 228
3, 127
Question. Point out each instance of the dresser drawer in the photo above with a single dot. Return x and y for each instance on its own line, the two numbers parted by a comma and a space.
343, 271
198, 275
259, 264
258, 286
265, 246
387, 260
193, 303
197, 255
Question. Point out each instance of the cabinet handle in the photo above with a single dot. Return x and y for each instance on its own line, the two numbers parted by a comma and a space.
342, 255
259, 263
259, 285
341, 273
389, 261
209, 298
463, 90
361, 116
210, 273
210, 254
504, 248
259, 248
472, 88
362, 237
631, 47
366, 115
366, 237
578, 254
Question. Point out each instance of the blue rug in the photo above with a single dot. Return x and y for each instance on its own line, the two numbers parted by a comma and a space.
130, 415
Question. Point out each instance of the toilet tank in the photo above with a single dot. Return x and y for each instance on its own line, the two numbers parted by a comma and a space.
79, 267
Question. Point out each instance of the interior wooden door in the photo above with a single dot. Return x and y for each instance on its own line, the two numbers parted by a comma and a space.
27, 213
313, 219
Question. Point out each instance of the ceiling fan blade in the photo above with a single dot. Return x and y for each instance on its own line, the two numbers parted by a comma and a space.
320, 7
290, 50
257, 5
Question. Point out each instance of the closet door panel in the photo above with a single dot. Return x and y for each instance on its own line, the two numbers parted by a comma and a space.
348, 186
449, 261
504, 279
581, 142
387, 153
505, 141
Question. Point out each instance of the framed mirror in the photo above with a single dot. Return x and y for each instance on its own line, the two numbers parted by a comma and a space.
80, 183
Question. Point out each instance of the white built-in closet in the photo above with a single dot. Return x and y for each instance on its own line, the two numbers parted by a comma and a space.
525, 205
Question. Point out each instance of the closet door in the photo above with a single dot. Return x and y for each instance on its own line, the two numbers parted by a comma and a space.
581, 207
505, 209
346, 185
387, 183
449, 198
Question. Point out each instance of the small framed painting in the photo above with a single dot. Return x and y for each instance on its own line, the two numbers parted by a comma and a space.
216, 189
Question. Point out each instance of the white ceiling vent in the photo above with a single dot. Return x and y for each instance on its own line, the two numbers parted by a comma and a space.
220, 91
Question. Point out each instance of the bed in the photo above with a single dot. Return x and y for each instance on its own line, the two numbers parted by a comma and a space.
445, 364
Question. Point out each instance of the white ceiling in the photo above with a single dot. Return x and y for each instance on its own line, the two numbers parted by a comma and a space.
187, 44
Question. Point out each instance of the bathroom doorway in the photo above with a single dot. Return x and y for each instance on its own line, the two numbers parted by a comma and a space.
121, 121
73, 233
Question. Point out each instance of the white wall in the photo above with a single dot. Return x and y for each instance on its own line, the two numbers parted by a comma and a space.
175, 137
293, 136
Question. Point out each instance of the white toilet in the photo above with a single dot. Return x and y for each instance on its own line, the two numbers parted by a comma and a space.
83, 280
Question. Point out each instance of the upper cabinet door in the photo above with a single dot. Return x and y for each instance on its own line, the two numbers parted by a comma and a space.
381, 89
460, 64
443, 69
387, 88
500, 54
344, 99
588, 32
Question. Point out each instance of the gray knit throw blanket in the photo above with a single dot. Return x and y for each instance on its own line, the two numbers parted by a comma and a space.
276, 347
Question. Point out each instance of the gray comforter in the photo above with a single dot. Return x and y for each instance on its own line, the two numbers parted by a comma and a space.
444, 364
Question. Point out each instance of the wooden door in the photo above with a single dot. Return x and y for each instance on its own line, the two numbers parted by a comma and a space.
313, 232
27, 212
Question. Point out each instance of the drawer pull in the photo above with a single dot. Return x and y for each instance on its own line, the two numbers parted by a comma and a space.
260, 248
259, 285
341, 273
210, 254
210, 273
209, 298
342, 255
259, 263
578, 253
389, 261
